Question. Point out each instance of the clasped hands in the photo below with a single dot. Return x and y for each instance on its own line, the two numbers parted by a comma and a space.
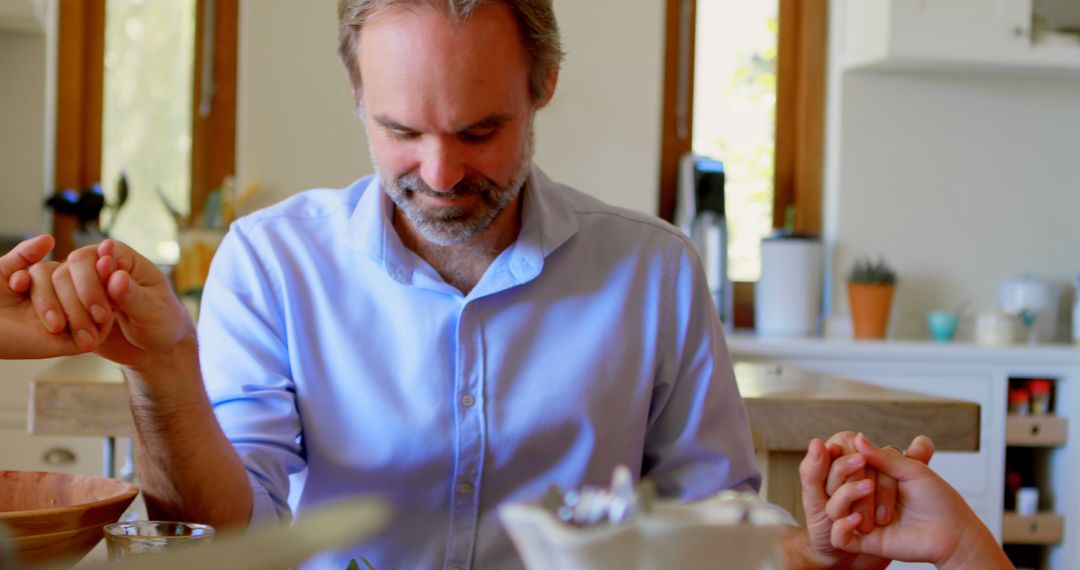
104, 298
918, 517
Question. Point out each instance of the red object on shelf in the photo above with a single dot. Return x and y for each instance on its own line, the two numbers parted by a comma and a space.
1018, 396
1039, 386
1040, 395
1019, 401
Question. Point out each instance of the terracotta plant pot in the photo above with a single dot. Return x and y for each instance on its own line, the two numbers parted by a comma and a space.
870, 306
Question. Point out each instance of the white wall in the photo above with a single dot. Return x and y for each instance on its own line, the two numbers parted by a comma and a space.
27, 117
961, 180
22, 134
296, 129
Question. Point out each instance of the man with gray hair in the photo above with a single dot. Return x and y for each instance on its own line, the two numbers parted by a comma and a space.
452, 334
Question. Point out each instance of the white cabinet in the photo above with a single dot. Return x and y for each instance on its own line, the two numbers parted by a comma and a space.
22, 15
21, 451
990, 35
971, 373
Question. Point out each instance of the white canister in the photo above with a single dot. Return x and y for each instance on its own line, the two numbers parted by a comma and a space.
787, 299
994, 328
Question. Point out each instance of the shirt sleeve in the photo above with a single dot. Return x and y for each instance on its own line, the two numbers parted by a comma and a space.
698, 440
245, 364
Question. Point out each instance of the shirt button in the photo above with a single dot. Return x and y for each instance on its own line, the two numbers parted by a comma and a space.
465, 488
468, 401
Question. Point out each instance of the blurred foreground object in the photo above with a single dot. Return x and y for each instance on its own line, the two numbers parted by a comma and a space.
626, 529
271, 545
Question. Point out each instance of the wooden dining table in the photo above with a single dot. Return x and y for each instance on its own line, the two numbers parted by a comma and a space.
85, 396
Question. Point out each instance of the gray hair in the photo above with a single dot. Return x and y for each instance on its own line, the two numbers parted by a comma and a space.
535, 18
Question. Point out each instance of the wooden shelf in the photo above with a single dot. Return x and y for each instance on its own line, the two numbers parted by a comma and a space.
1040, 528
1036, 431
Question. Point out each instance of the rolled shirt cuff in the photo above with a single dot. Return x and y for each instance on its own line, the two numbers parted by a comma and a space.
263, 505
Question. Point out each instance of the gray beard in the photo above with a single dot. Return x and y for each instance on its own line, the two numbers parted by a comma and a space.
446, 226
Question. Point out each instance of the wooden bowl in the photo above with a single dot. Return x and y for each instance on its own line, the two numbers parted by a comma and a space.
56, 516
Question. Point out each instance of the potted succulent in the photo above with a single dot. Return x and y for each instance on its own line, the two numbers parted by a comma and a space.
870, 292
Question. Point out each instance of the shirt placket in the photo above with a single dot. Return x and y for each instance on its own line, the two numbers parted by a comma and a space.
470, 441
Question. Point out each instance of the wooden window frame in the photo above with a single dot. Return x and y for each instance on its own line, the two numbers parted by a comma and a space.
213, 144
80, 97
800, 120
800, 109
798, 174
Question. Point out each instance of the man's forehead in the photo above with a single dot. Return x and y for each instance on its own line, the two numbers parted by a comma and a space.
491, 25
424, 71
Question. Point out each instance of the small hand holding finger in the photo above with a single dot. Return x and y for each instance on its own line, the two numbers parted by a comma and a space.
20, 281
82, 325
150, 316
43, 297
32, 319
885, 497
25, 255
921, 449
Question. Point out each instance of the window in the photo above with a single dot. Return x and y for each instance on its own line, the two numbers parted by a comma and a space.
146, 127
146, 88
734, 117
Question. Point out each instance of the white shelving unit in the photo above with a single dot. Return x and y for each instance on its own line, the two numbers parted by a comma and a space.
978, 374
953, 35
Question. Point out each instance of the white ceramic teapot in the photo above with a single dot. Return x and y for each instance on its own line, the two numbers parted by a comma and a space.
1035, 303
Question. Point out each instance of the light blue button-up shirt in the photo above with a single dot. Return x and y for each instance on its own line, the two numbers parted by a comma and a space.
588, 343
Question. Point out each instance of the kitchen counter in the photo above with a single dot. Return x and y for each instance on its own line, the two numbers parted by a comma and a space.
747, 345
85, 395
788, 406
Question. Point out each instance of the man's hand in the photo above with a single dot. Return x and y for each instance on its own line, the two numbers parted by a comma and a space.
31, 323
150, 318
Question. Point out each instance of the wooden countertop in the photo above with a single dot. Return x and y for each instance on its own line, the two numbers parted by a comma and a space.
789, 406
84, 395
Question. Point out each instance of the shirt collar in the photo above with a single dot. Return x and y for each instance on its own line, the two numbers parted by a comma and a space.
548, 220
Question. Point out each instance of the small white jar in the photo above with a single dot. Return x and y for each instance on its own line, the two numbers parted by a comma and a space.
994, 328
